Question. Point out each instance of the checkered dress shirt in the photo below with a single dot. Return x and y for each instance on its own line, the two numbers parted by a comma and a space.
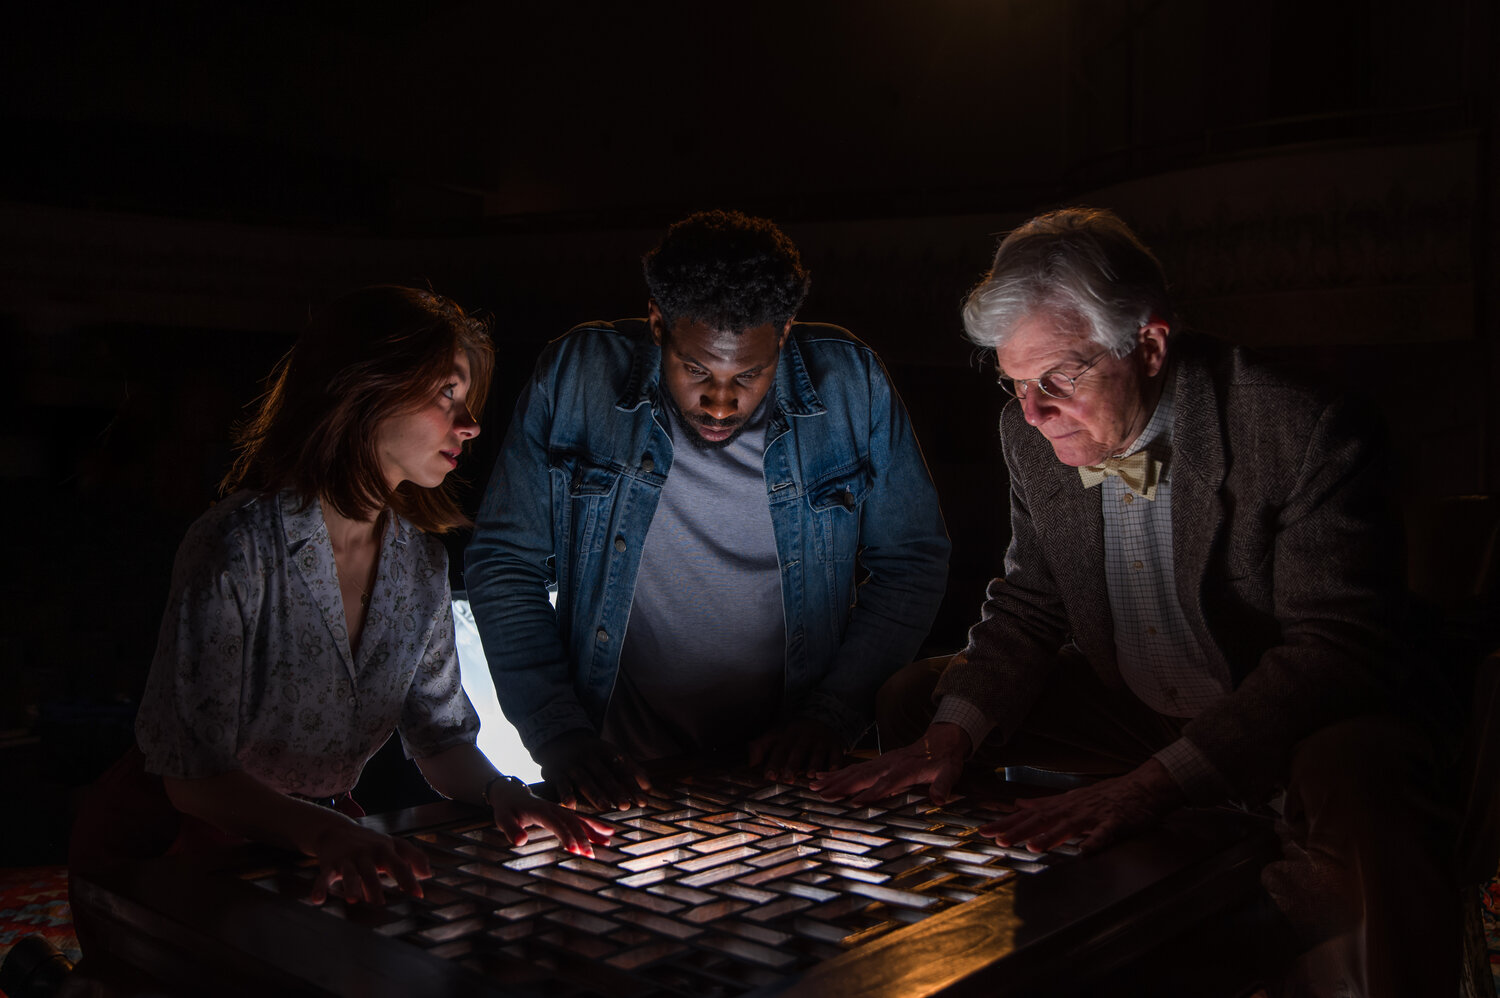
1159, 658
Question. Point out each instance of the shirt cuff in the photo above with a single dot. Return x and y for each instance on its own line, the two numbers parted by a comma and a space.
1194, 774
956, 710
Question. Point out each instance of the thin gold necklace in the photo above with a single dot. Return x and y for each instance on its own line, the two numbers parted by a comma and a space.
364, 594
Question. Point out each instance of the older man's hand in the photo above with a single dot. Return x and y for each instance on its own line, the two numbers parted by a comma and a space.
935, 760
1095, 815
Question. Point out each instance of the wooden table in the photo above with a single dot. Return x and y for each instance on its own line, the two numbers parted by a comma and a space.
725, 885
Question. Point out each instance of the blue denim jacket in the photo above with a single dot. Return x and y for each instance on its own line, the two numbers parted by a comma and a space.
860, 539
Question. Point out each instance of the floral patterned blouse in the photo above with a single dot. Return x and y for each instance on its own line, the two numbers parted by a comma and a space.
253, 670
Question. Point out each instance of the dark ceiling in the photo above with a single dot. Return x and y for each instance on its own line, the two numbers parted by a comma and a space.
471, 116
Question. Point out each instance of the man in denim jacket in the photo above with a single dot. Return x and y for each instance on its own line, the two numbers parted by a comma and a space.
678, 474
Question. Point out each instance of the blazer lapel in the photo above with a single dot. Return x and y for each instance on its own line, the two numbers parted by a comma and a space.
1070, 523
1197, 478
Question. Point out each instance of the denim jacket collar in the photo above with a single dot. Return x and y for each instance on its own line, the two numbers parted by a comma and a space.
794, 387
645, 376
795, 394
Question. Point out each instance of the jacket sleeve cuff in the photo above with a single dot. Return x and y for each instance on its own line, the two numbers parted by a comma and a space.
551, 723
956, 710
1198, 778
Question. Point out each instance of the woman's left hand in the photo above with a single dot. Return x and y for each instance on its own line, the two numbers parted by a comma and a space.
516, 809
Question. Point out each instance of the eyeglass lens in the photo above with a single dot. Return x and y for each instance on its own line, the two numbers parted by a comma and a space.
1058, 386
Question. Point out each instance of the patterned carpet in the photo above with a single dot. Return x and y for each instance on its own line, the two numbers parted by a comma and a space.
1490, 912
35, 899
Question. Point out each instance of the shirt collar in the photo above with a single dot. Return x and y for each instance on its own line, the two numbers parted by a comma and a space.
301, 522
1158, 432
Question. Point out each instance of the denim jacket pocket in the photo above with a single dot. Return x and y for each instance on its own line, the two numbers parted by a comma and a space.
580, 493
836, 502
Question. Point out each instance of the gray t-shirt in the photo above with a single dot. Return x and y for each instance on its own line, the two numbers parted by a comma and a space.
704, 656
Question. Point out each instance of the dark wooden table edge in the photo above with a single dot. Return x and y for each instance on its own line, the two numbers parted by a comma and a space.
167, 918
965, 951
956, 952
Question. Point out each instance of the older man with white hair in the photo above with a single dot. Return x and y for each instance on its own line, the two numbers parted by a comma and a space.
1198, 606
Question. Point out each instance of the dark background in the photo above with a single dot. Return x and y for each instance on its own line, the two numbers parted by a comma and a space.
181, 181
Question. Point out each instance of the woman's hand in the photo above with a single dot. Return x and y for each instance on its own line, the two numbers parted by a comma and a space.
461, 772
351, 858
347, 853
516, 809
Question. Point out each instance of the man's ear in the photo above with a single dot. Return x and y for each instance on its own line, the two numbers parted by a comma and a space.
786, 331
655, 321
1152, 346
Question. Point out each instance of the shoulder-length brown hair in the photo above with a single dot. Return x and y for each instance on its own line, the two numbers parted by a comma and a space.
369, 355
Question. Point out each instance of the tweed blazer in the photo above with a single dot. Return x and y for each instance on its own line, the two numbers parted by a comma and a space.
1285, 560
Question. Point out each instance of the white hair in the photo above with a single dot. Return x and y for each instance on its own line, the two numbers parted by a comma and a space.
1080, 267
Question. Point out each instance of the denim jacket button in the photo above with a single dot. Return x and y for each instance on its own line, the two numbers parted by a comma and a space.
647, 464
848, 498
601, 635
619, 544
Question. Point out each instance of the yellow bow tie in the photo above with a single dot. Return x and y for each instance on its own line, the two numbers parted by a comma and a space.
1139, 473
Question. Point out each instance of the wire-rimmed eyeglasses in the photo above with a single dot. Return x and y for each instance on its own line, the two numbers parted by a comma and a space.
1054, 383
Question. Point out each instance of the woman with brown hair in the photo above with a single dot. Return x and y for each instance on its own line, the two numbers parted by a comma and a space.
310, 615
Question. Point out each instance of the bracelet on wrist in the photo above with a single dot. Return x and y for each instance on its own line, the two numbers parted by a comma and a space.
484, 794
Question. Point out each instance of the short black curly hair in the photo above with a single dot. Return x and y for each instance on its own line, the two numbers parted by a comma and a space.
727, 269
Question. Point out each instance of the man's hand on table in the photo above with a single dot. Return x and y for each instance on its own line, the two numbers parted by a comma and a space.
516, 808
1096, 815
936, 760
799, 748
580, 763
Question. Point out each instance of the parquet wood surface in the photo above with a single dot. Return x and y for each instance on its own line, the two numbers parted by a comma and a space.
722, 885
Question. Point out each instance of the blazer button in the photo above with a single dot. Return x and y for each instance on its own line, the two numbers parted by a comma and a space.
601, 635
619, 544
647, 464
